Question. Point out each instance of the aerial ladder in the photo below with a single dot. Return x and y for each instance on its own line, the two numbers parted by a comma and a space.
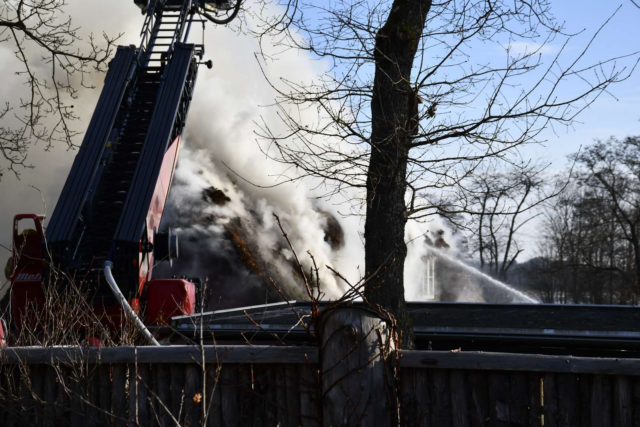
104, 231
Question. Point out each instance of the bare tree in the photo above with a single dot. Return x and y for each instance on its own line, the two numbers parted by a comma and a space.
52, 66
584, 254
612, 175
412, 103
500, 204
561, 234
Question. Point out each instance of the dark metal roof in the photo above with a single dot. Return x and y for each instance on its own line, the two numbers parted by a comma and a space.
458, 324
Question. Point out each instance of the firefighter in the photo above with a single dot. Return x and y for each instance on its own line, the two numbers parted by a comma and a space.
9, 267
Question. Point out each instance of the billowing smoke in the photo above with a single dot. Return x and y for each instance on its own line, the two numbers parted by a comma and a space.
229, 236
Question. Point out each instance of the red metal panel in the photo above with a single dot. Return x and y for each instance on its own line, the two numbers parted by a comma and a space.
169, 297
27, 268
3, 335
154, 216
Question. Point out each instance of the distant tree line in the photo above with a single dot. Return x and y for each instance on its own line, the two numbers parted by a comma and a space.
589, 242
585, 239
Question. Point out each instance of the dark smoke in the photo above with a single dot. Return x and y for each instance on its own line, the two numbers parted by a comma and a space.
228, 250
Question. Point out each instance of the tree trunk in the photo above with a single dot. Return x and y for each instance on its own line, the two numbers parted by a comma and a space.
393, 110
358, 384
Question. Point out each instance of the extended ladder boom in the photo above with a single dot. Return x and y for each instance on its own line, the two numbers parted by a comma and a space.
111, 205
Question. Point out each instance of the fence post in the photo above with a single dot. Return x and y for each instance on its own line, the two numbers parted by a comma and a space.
358, 385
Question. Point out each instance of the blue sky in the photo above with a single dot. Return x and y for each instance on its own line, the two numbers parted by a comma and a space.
608, 116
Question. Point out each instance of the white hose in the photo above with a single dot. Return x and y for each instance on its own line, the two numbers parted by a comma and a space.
108, 265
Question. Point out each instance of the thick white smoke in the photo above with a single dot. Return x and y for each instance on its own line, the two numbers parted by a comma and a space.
217, 229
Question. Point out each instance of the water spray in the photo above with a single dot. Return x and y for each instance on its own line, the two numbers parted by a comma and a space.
479, 273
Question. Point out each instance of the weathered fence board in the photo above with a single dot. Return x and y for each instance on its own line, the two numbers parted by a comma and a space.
423, 405
440, 398
499, 399
150, 395
50, 394
459, 403
636, 401
247, 405
568, 400
309, 386
512, 398
519, 386
622, 398
163, 395
118, 394
193, 394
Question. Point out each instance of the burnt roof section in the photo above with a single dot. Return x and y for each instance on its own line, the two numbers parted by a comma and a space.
579, 330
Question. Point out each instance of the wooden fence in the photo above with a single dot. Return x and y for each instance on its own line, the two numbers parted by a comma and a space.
484, 389
167, 386
354, 377
269, 386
